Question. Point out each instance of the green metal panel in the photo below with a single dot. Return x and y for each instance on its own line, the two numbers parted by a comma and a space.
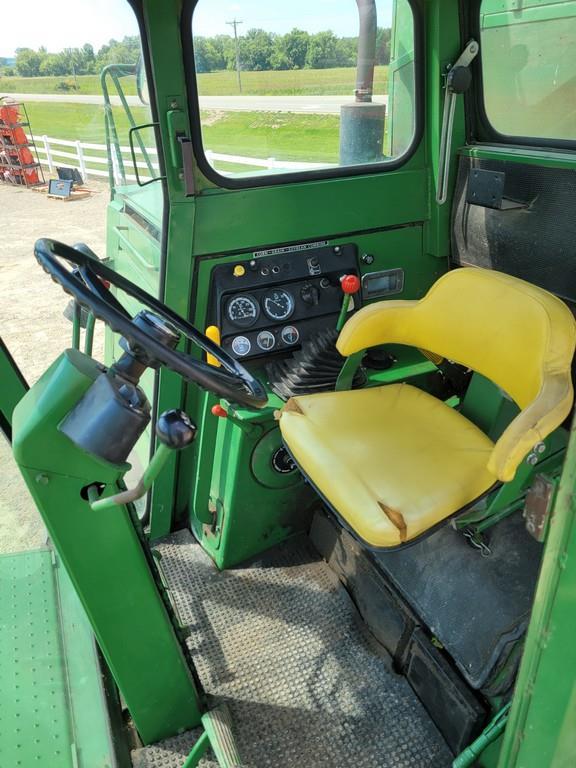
53, 707
104, 555
253, 507
542, 722
443, 46
309, 210
89, 702
35, 727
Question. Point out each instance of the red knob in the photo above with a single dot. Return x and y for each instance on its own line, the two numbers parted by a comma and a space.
350, 284
217, 410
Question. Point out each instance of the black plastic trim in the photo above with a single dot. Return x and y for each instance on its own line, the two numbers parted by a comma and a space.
218, 255
286, 178
5, 425
475, 106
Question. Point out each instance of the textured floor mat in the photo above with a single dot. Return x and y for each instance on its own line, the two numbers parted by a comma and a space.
279, 641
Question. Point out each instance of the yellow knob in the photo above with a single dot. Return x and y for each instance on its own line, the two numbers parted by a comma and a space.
213, 333
239, 270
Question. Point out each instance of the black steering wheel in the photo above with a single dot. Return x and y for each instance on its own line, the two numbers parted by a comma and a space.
232, 382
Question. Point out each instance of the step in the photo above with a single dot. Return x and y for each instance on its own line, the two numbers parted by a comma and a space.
52, 699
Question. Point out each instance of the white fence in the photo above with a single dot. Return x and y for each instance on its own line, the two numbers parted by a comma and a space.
92, 159
79, 154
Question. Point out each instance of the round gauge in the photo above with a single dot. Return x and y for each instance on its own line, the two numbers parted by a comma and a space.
243, 311
241, 346
266, 340
290, 334
278, 304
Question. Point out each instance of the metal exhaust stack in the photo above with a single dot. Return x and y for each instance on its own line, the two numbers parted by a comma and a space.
362, 122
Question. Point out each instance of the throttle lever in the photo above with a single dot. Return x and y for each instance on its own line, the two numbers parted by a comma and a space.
458, 80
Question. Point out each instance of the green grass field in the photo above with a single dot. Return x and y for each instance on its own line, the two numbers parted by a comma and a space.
83, 122
87, 84
313, 82
312, 138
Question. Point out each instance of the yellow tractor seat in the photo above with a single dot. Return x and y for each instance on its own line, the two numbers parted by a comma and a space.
393, 461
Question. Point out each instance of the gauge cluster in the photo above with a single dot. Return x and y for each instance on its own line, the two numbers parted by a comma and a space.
269, 304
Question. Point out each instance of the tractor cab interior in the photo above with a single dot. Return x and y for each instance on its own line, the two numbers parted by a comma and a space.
350, 380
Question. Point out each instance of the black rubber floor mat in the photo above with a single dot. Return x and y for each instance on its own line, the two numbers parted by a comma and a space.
280, 641
476, 606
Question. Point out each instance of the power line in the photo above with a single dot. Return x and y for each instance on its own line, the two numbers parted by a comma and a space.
235, 23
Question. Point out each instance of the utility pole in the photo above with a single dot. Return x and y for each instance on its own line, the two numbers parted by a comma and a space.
235, 24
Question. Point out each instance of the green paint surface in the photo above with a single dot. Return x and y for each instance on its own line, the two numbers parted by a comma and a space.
104, 555
35, 727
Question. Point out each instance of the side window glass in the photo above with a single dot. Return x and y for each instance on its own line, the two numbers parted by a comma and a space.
528, 52
303, 87
68, 79
70, 95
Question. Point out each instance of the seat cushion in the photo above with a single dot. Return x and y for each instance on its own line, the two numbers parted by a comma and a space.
392, 461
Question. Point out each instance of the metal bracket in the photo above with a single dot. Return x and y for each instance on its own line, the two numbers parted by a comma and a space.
539, 505
187, 166
468, 55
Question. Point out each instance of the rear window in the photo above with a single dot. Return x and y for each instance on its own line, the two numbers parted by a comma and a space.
528, 52
305, 86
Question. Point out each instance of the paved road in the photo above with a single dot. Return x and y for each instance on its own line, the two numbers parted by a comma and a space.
316, 105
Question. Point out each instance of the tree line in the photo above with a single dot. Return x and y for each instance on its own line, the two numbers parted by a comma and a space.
260, 50
74, 61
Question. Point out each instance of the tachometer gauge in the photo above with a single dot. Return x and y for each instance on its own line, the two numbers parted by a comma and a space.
243, 311
278, 304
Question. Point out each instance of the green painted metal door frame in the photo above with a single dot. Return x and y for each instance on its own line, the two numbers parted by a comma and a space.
542, 723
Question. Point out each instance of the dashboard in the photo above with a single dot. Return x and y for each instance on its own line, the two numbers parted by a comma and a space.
272, 302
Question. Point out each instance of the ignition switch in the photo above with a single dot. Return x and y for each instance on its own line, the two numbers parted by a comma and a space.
310, 294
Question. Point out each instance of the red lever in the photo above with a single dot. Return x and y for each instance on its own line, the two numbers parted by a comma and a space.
217, 410
350, 284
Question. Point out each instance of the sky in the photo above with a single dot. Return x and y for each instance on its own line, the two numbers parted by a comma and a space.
58, 24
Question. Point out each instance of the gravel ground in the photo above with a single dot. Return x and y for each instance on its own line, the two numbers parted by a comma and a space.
31, 321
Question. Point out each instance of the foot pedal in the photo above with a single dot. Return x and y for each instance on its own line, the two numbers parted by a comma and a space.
218, 726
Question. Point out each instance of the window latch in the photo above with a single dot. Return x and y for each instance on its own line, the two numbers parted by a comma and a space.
458, 80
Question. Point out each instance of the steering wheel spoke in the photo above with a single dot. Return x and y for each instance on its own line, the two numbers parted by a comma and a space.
95, 284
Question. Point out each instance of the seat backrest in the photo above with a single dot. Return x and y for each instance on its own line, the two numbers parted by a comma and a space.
510, 331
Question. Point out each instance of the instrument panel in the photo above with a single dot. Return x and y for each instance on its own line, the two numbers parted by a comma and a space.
269, 304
